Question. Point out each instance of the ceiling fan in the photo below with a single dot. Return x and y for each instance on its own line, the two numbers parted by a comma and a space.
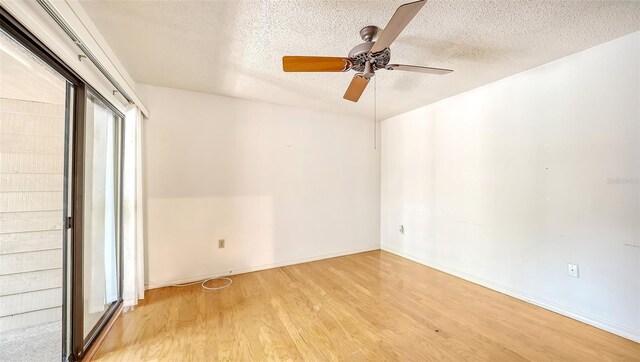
374, 54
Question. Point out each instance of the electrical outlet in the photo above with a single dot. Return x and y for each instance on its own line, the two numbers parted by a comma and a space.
401, 230
221, 244
572, 270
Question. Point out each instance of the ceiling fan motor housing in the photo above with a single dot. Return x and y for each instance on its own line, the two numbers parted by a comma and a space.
362, 52
360, 55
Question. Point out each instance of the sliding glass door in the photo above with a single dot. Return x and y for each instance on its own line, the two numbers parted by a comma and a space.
60, 204
34, 120
101, 247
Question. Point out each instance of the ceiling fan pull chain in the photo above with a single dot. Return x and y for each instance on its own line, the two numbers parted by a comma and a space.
375, 104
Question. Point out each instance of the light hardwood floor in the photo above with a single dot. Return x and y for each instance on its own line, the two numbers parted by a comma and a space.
371, 306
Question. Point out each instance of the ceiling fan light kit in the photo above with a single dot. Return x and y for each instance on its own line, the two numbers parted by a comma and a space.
368, 57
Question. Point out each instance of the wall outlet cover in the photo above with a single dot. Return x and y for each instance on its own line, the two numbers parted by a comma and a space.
572, 270
221, 243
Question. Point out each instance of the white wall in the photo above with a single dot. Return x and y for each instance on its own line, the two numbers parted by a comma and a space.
279, 184
506, 184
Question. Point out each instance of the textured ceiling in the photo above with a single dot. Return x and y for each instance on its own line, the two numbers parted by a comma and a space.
234, 48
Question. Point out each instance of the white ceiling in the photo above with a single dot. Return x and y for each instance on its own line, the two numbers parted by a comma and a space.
234, 48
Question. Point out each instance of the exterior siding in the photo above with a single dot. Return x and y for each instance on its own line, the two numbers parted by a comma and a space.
31, 219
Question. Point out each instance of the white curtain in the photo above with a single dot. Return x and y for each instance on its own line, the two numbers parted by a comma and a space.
109, 248
101, 281
133, 207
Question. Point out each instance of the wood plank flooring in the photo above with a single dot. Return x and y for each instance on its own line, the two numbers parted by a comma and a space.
371, 306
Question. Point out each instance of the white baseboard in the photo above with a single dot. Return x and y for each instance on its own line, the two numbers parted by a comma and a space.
619, 330
242, 270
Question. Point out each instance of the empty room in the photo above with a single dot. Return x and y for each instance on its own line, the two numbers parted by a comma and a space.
319, 180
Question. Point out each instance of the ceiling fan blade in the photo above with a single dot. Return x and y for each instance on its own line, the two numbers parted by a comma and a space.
396, 25
315, 64
356, 87
418, 69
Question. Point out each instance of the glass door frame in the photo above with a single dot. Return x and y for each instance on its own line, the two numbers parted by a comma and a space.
79, 343
74, 345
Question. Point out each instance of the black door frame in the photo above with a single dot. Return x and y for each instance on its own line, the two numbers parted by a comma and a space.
74, 159
80, 344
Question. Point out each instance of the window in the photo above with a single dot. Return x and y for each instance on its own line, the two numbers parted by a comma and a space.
101, 245
33, 123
